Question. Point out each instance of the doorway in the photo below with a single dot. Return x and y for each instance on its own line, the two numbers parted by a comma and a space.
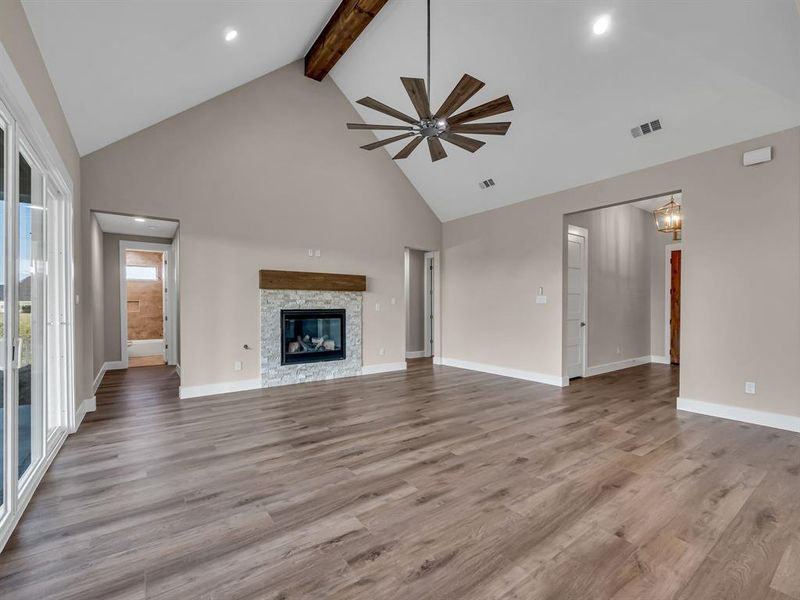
147, 306
577, 291
420, 303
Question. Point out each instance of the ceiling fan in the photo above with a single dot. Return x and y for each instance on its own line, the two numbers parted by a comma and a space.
442, 124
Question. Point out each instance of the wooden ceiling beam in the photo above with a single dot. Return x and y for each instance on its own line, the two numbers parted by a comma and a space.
348, 21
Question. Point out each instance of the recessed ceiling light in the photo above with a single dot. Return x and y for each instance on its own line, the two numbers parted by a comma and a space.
139, 219
231, 34
601, 25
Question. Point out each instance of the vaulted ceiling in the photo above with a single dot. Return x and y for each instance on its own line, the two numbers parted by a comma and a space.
715, 72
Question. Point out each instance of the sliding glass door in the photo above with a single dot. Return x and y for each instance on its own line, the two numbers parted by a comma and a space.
29, 346
36, 398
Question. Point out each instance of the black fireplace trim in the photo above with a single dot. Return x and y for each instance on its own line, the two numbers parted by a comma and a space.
323, 313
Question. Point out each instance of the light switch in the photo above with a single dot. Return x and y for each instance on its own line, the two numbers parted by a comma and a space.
310, 252
377, 306
394, 300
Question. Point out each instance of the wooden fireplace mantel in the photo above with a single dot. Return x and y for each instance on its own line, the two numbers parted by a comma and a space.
301, 280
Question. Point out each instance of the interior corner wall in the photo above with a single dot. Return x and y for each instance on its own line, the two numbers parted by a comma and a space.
415, 330
618, 307
19, 43
111, 285
740, 274
257, 177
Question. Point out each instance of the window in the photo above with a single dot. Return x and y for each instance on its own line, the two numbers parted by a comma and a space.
141, 273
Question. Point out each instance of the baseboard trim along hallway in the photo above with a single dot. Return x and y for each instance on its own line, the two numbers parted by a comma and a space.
743, 415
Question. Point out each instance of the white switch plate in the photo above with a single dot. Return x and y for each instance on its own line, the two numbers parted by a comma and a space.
749, 387
394, 300
377, 306
541, 299
381, 351
310, 252
237, 365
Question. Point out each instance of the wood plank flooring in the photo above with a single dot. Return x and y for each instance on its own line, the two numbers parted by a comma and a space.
436, 483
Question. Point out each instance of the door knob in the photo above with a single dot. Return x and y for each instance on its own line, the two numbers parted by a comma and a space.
583, 324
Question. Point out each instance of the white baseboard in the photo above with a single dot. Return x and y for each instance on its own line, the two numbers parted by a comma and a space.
109, 365
660, 360
744, 415
383, 368
616, 366
415, 354
506, 372
437, 360
87, 406
212, 389
99, 378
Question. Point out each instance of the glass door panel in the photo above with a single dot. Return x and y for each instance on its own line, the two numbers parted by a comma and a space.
30, 317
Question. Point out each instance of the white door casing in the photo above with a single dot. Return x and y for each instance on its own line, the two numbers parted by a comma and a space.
577, 288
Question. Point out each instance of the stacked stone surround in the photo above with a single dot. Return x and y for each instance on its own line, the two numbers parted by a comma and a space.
273, 301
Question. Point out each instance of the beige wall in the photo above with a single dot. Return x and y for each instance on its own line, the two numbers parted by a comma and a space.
110, 283
618, 319
97, 264
18, 40
741, 274
256, 177
415, 329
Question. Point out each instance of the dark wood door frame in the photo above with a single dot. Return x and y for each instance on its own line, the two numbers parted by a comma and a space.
675, 307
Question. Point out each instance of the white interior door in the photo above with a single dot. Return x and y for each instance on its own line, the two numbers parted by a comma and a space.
428, 288
576, 302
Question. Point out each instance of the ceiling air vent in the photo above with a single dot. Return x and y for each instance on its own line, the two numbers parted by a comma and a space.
646, 128
487, 183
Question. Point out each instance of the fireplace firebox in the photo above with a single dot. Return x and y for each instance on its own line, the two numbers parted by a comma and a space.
312, 336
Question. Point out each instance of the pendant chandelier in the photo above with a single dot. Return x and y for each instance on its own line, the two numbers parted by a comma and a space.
668, 218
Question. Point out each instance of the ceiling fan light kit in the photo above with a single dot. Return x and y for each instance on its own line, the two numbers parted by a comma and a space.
442, 124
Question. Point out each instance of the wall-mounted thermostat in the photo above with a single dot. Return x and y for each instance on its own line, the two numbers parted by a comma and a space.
756, 157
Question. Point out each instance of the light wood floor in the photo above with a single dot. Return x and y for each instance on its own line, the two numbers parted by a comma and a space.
436, 483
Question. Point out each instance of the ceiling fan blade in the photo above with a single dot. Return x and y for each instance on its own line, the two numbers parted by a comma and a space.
436, 149
408, 148
387, 110
415, 88
379, 127
489, 109
464, 90
482, 128
462, 141
380, 143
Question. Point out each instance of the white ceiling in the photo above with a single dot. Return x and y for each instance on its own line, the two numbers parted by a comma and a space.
120, 66
127, 225
715, 72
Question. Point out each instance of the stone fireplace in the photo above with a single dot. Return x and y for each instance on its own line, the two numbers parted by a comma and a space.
309, 334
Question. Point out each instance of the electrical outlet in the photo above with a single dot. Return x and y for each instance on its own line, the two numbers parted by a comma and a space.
317, 252
749, 387
381, 351
619, 350
377, 306
237, 365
